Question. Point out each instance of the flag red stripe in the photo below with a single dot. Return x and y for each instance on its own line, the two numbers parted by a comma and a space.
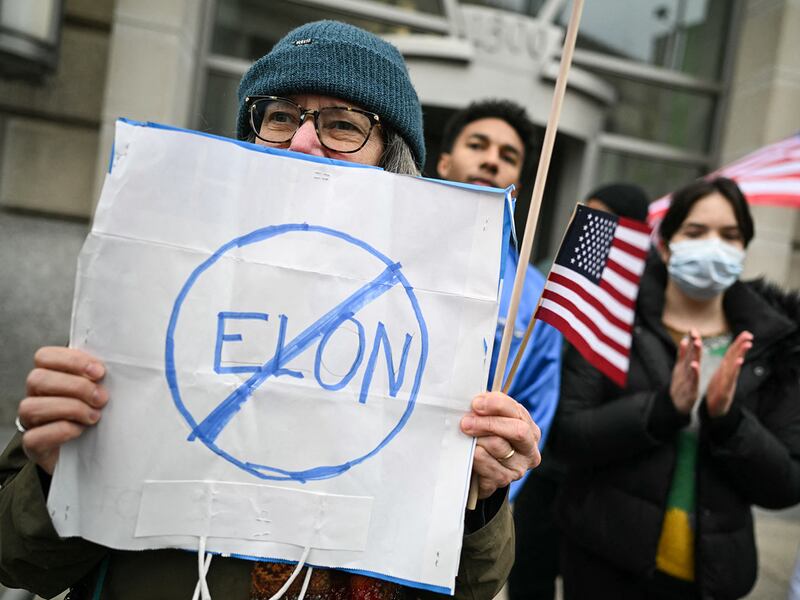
626, 247
771, 176
777, 170
759, 158
622, 271
772, 164
588, 297
602, 365
550, 295
772, 152
614, 293
775, 200
634, 224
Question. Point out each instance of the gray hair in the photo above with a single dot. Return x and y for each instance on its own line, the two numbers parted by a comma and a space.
397, 156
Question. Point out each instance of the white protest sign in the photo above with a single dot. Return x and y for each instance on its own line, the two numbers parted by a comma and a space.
290, 345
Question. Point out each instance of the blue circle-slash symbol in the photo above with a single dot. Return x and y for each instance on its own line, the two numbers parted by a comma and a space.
214, 423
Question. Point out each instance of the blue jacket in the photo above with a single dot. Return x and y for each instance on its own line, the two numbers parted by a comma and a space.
537, 382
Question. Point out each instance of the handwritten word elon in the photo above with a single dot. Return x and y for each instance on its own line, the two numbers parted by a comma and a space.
216, 421
380, 340
233, 329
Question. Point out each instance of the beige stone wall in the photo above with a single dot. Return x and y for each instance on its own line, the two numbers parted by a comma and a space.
764, 107
49, 132
153, 67
55, 134
48, 166
49, 129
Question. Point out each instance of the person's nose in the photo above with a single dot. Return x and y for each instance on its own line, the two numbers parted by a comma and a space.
490, 163
491, 160
305, 139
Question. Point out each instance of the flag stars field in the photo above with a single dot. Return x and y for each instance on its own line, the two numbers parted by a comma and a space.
590, 293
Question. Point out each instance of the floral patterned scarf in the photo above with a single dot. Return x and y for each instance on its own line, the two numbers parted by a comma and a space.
325, 584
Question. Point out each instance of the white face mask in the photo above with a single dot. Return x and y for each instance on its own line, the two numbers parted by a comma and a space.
703, 269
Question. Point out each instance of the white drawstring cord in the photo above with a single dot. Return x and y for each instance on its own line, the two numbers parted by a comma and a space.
203, 564
201, 591
196, 595
306, 581
279, 594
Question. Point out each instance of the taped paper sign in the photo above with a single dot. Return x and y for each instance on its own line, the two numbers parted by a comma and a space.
290, 345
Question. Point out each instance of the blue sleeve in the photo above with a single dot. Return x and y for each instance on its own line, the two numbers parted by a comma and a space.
537, 384
538, 380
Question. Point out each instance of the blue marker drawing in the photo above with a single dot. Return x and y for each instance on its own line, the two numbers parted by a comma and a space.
280, 358
356, 361
215, 422
222, 337
395, 377
209, 428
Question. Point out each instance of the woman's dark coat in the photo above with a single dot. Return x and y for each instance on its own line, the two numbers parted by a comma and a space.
620, 443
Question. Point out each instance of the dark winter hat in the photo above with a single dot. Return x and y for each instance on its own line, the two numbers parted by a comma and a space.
337, 59
625, 199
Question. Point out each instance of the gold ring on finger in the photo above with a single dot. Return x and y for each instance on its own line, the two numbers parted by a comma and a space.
511, 453
20, 427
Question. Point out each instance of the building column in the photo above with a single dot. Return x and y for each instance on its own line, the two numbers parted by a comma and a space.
152, 68
763, 108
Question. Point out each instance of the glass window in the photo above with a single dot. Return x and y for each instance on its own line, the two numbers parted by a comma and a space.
683, 35
679, 118
249, 28
656, 177
29, 37
220, 105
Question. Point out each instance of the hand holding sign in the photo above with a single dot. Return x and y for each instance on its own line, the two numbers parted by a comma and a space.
64, 397
507, 441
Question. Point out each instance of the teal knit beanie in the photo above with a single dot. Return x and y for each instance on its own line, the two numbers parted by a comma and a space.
336, 59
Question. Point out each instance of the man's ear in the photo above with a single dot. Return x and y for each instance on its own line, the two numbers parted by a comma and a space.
443, 165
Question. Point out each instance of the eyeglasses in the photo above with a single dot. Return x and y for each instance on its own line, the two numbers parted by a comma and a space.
339, 128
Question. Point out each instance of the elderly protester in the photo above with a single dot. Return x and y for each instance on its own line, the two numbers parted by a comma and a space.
326, 89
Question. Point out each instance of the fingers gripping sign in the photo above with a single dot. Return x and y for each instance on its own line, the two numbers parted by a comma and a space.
508, 441
64, 396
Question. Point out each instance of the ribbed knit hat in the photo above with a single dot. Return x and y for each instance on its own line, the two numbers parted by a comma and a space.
336, 59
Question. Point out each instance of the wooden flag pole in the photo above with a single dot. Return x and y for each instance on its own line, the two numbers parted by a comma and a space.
533, 211
521, 350
531, 323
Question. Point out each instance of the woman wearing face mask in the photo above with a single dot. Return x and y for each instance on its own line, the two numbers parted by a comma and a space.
663, 473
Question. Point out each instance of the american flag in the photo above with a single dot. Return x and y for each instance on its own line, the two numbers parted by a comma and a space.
590, 293
768, 176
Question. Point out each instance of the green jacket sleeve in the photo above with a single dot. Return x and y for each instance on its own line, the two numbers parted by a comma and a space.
487, 555
32, 556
